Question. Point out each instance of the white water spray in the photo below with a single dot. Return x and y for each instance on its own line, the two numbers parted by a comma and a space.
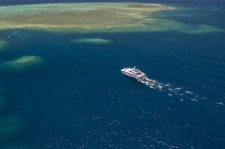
172, 91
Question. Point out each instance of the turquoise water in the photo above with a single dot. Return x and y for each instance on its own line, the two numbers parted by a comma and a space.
78, 97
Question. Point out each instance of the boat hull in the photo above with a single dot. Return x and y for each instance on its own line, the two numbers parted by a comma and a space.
130, 76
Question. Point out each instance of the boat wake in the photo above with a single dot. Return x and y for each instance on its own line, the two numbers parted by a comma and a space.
169, 89
172, 91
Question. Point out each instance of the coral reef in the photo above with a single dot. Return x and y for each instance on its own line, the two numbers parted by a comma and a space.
21, 64
3, 44
92, 41
95, 17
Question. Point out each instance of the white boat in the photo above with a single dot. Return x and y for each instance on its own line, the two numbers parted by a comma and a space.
135, 73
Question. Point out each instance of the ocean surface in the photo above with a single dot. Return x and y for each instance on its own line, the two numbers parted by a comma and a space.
79, 99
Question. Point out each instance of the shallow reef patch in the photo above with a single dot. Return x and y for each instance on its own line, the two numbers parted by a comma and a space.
169, 25
3, 44
10, 126
21, 64
99, 41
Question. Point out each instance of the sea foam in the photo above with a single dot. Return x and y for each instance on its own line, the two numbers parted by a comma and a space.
172, 90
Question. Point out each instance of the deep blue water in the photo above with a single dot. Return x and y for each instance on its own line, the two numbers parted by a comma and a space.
80, 99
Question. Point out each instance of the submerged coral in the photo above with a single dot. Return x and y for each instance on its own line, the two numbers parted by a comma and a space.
10, 126
3, 43
21, 64
92, 41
